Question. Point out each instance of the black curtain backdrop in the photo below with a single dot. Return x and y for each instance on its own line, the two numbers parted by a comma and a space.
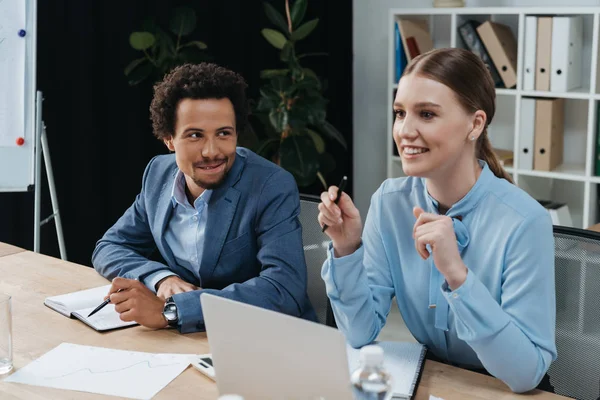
98, 126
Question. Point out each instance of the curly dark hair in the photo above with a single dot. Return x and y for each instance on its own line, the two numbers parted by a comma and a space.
196, 81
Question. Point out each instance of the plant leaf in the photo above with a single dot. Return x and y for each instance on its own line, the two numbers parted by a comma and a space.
196, 43
265, 146
318, 140
271, 73
140, 73
298, 155
278, 118
183, 21
326, 163
165, 49
141, 40
287, 51
298, 12
305, 29
274, 37
310, 72
276, 18
268, 130
132, 65
333, 133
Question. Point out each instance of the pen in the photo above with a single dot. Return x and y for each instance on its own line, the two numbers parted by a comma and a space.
339, 195
102, 305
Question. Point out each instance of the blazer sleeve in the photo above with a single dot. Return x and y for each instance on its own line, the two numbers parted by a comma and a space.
124, 249
281, 283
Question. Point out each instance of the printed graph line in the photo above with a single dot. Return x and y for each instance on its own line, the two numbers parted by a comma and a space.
114, 370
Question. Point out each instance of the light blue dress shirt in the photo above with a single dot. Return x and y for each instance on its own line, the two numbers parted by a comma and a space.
502, 318
185, 233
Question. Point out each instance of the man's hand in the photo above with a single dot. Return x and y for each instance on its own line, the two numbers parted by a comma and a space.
172, 285
135, 302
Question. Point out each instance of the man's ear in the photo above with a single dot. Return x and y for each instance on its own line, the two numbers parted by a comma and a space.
169, 143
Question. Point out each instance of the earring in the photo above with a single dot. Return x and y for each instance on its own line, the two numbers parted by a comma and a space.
472, 138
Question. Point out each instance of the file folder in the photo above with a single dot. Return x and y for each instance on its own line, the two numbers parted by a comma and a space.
416, 38
468, 33
531, 23
549, 129
400, 54
543, 53
501, 45
526, 133
567, 42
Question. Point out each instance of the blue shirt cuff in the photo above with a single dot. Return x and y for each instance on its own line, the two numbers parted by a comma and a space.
477, 314
151, 280
459, 291
189, 311
342, 272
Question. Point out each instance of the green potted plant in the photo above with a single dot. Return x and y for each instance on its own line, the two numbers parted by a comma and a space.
165, 49
291, 107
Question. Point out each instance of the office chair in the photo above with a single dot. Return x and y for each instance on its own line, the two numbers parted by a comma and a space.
576, 371
315, 252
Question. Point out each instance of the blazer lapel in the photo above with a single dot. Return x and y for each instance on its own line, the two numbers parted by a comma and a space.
221, 209
164, 211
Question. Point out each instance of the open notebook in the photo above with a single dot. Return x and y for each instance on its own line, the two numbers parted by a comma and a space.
402, 360
80, 304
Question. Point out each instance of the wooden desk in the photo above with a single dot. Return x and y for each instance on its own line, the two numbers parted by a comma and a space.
8, 249
30, 278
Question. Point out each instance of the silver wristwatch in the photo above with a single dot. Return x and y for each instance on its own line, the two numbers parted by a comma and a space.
170, 312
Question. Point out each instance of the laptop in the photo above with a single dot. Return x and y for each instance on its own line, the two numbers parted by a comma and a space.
262, 354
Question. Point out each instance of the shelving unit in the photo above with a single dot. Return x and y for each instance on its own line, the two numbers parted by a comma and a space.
573, 182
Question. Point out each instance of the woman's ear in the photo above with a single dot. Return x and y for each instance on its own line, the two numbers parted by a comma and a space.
169, 143
479, 122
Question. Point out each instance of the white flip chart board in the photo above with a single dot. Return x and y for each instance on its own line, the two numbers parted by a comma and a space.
17, 94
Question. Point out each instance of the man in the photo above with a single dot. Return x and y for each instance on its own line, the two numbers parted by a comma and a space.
224, 219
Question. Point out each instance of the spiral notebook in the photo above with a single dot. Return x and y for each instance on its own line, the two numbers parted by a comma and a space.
80, 304
404, 361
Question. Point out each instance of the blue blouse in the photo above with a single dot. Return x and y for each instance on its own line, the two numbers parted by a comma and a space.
502, 318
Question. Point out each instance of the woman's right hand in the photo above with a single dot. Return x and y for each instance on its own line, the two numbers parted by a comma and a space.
343, 220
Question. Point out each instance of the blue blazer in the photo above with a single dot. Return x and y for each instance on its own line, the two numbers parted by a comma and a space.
253, 249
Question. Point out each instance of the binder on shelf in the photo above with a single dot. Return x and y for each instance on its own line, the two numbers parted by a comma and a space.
400, 54
549, 129
500, 43
468, 33
543, 53
559, 212
597, 163
526, 133
416, 38
531, 23
567, 42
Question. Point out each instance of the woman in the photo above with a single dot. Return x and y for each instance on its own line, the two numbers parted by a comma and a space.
468, 255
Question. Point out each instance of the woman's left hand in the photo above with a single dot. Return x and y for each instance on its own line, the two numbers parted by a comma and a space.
437, 231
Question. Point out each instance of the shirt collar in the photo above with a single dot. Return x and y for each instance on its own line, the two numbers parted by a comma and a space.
470, 200
178, 195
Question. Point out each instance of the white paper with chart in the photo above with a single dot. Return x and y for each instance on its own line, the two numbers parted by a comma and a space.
12, 71
100, 370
